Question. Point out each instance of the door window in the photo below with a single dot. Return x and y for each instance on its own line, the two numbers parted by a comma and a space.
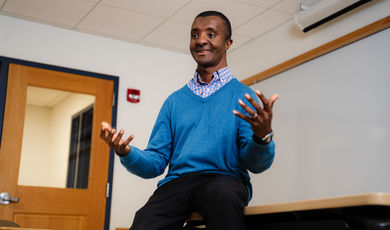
50, 156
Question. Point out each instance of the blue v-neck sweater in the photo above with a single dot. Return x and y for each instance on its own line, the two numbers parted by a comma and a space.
201, 135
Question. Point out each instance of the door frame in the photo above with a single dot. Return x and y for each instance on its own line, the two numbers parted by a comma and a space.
4, 64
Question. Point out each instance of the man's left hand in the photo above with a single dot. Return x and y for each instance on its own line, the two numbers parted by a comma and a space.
260, 120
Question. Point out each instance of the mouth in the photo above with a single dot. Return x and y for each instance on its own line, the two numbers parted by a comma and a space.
202, 52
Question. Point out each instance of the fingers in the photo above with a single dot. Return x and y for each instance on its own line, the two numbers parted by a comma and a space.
105, 125
105, 128
247, 108
110, 136
273, 99
105, 131
260, 117
267, 104
264, 100
117, 137
242, 116
114, 139
128, 140
252, 113
254, 104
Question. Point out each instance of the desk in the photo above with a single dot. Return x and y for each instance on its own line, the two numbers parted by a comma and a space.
356, 212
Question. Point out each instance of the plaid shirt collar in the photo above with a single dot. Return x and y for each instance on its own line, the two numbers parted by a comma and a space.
221, 75
202, 89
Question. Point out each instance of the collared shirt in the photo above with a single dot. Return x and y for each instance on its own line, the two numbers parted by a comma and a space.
202, 89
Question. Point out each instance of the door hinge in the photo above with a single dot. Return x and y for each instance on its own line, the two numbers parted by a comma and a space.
108, 190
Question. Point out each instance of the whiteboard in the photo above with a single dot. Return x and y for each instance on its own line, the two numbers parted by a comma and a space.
332, 125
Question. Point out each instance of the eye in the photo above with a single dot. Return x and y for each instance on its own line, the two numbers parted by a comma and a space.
211, 35
195, 36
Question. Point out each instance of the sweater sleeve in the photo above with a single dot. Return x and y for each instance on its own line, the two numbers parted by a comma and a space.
152, 161
256, 157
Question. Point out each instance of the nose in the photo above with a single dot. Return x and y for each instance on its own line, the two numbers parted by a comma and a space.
202, 40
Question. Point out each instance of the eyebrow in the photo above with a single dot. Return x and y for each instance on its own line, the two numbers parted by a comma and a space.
207, 29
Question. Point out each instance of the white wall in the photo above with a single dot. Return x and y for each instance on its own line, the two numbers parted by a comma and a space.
155, 72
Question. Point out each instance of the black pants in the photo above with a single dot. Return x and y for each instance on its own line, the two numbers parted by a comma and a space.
220, 199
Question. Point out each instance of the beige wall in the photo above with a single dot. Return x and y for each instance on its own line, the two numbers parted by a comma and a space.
35, 150
46, 139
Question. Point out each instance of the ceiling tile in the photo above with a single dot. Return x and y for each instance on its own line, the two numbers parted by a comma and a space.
151, 7
170, 34
176, 35
262, 23
67, 13
261, 3
232, 10
118, 23
163, 24
288, 6
237, 41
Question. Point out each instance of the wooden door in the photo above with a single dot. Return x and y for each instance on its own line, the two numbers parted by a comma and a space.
48, 207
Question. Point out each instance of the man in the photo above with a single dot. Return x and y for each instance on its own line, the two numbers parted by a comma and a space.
209, 137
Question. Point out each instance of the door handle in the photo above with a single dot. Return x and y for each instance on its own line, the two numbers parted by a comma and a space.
5, 198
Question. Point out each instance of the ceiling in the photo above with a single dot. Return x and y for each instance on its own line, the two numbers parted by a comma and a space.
45, 97
158, 23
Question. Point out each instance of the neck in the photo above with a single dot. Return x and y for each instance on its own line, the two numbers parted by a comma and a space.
206, 73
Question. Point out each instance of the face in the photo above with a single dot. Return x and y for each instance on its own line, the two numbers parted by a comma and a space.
208, 44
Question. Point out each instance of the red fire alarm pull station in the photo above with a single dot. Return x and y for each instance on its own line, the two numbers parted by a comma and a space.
133, 95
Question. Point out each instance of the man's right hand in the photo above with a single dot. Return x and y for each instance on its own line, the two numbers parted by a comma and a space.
114, 140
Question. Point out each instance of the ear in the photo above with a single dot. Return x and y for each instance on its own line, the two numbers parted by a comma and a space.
228, 43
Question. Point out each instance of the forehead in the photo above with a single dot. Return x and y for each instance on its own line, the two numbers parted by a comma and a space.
208, 22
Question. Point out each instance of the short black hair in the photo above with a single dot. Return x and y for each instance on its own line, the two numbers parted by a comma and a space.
228, 27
